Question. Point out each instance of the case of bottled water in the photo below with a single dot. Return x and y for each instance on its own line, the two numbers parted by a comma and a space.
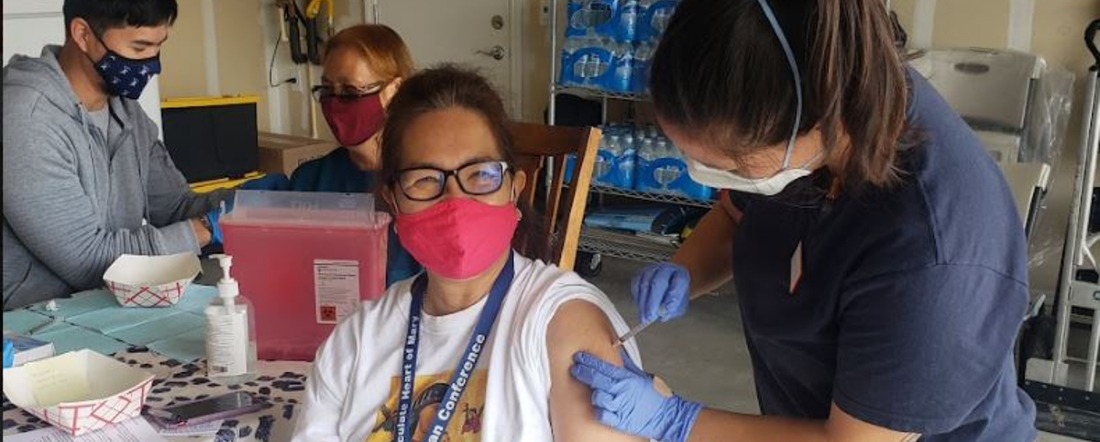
660, 168
599, 47
597, 62
617, 19
643, 159
653, 16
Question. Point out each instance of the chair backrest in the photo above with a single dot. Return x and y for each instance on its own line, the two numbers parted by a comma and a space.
1028, 182
539, 145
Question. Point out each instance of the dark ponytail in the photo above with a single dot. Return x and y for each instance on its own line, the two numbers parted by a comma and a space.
859, 82
721, 74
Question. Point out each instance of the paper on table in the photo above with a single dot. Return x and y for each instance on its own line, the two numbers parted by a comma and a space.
53, 382
197, 297
163, 328
188, 347
67, 337
118, 318
22, 320
133, 430
80, 303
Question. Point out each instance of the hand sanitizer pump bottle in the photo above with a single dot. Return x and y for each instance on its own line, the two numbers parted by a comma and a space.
230, 332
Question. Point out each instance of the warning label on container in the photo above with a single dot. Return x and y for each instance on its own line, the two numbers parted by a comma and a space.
336, 285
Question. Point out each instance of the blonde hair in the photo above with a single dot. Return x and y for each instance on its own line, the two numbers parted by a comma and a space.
384, 51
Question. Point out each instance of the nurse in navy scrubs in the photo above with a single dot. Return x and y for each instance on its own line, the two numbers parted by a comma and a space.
879, 262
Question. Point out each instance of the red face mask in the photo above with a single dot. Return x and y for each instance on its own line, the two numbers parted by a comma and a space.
458, 238
354, 120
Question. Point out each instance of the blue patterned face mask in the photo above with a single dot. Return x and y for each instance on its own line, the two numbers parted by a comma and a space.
125, 77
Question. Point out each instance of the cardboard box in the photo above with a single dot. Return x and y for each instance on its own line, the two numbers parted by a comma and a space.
284, 153
151, 281
80, 391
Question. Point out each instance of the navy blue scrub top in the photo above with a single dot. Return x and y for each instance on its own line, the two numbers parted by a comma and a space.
910, 298
336, 172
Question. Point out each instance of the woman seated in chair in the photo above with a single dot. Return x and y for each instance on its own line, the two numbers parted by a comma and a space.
479, 345
363, 68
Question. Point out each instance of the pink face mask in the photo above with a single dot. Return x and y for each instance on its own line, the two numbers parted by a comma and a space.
354, 120
458, 238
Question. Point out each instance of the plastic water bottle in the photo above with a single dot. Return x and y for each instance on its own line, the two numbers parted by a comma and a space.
643, 157
614, 145
599, 14
660, 19
593, 62
627, 162
666, 149
614, 151
577, 19
608, 62
669, 174
640, 77
648, 150
628, 21
641, 29
568, 52
628, 145
603, 163
624, 66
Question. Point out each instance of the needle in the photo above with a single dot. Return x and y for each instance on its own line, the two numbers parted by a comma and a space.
633, 331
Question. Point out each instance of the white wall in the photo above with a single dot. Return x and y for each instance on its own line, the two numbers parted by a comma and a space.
31, 24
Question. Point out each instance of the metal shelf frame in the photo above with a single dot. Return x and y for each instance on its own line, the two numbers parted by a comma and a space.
623, 245
599, 93
652, 196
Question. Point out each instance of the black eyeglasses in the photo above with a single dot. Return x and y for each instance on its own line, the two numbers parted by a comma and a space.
322, 92
429, 183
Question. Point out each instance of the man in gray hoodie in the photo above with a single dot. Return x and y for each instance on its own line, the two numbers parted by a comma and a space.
85, 177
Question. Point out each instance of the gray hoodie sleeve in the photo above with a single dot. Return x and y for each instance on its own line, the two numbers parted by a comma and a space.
46, 206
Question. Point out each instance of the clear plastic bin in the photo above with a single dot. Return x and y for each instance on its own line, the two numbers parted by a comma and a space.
306, 260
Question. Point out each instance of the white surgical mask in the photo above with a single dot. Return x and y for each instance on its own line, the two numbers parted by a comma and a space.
769, 186
772, 185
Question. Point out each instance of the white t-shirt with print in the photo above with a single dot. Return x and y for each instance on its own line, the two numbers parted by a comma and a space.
352, 392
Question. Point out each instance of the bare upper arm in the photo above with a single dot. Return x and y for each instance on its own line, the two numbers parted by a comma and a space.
578, 325
842, 426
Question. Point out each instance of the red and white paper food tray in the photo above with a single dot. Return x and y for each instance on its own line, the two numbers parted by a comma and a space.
151, 281
80, 391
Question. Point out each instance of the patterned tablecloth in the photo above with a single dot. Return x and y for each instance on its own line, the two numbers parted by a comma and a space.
280, 383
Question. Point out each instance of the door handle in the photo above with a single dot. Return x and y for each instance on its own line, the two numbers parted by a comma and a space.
497, 52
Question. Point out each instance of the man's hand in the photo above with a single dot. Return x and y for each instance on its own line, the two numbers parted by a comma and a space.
202, 233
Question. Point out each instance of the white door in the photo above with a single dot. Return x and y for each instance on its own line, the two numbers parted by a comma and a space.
31, 24
484, 34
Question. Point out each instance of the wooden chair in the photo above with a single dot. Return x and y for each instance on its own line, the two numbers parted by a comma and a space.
562, 209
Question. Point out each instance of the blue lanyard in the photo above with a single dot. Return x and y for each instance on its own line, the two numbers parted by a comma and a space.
462, 372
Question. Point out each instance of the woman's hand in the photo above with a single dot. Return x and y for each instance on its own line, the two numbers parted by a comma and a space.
627, 399
661, 292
